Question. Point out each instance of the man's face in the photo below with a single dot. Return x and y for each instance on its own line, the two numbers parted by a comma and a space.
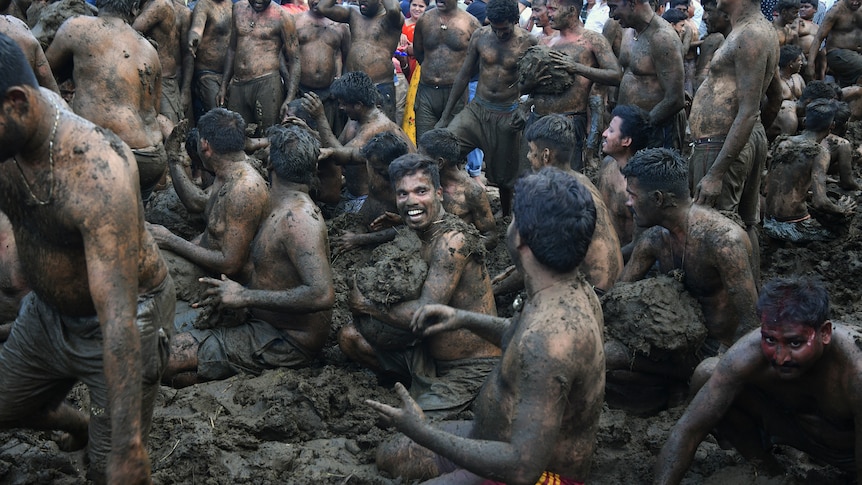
418, 202
796, 65
447, 5
853, 4
643, 207
613, 141
788, 15
716, 20
559, 15
807, 11
352, 110
621, 10
259, 5
793, 348
679, 27
369, 7
535, 157
505, 30
540, 15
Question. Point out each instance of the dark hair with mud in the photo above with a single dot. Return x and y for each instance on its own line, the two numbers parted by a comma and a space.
793, 299
555, 216
659, 169
223, 129
674, 16
15, 70
355, 87
676, 3
842, 115
820, 89
441, 143
296, 109
385, 147
120, 7
502, 11
293, 153
555, 132
785, 4
634, 124
819, 114
413, 163
578, 4
788, 54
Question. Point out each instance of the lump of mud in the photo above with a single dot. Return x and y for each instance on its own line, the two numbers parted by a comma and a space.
535, 63
655, 315
46, 20
397, 272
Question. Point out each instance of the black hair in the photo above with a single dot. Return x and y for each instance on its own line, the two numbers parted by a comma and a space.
675, 3
413, 163
15, 70
223, 129
293, 153
659, 169
502, 11
385, 147
820, 89
674, 16
786, 4
296, 108
793, 299
634, 123
555, 216
788, 54
819, 114
555, 132
355, 87
124, 8
441, 143
578, 4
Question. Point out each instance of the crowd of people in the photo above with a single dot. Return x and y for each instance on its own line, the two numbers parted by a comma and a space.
624, 138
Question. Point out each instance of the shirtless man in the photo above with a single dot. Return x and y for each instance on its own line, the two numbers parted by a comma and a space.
787, 22
208, 41
290, 291
653, 74
440, 44
102, 301
541, 20
795, 380
263, 35
551, 140
718, 28
586, 55
235, 204
842, 30
790, 62
446, 369
20, 33
13, 286
729, 152
627, 133
323, 48
711, 252
116, 88
158, 21
807, 30
799, 165
375, 34
537, 415
485, 122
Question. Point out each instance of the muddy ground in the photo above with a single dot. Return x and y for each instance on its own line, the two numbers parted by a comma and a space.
312, 426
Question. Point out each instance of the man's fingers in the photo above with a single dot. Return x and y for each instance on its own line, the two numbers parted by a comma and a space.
381, 408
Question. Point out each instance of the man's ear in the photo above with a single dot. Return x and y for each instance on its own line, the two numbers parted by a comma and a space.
16, 101
626, 142
826, 332
658, 197
546, 156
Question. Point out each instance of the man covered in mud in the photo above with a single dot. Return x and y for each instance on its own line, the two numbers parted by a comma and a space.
13, 285
440, 44
375, 29
706, 251
323, 48
486, 122
290, 291
795, 380
117, 75
730, 146
841, 28
235, 204
208, 42
799, 165
537, 415
20, 33
158, 21
255, 83
585, 54
444, 371
102, 300
552, 141
653, 73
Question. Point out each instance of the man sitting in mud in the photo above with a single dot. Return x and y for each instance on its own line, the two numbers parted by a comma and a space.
115, 88
795, 380
290, 291
551, 140
102, 300
537, 415
628, 132
799, 165
444, 371
707, 252
235, 204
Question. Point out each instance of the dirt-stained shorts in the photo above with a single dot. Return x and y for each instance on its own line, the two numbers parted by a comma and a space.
480, 126
429, 105
47, 353
741, 188
152, 163
846, 65
205, 88
249, 348
258, 100
171, 104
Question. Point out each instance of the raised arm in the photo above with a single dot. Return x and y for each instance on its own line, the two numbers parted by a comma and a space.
338, 13
394, 16
154, 13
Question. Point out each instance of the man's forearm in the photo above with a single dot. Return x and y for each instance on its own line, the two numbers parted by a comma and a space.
209, 259
191, 196
122, 366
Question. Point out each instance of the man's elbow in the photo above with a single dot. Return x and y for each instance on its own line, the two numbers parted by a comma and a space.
324, 298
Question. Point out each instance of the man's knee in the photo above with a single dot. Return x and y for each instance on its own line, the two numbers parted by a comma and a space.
702, 374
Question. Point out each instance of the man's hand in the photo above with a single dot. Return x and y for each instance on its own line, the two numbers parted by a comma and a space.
284, 109
433, 318
325, 153
345, 242
407, 418
131, 466
294, 121
221, 97
311, 102
358, 303
443, 122
225, 293
175, 143
160, 234
385, 221
708, 190
847, 205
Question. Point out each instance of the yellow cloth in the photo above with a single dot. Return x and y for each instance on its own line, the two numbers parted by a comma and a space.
408, 123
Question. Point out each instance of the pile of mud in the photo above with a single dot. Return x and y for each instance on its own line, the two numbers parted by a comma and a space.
538, 73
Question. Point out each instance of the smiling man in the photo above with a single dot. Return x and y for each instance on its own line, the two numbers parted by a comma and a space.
794, 381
